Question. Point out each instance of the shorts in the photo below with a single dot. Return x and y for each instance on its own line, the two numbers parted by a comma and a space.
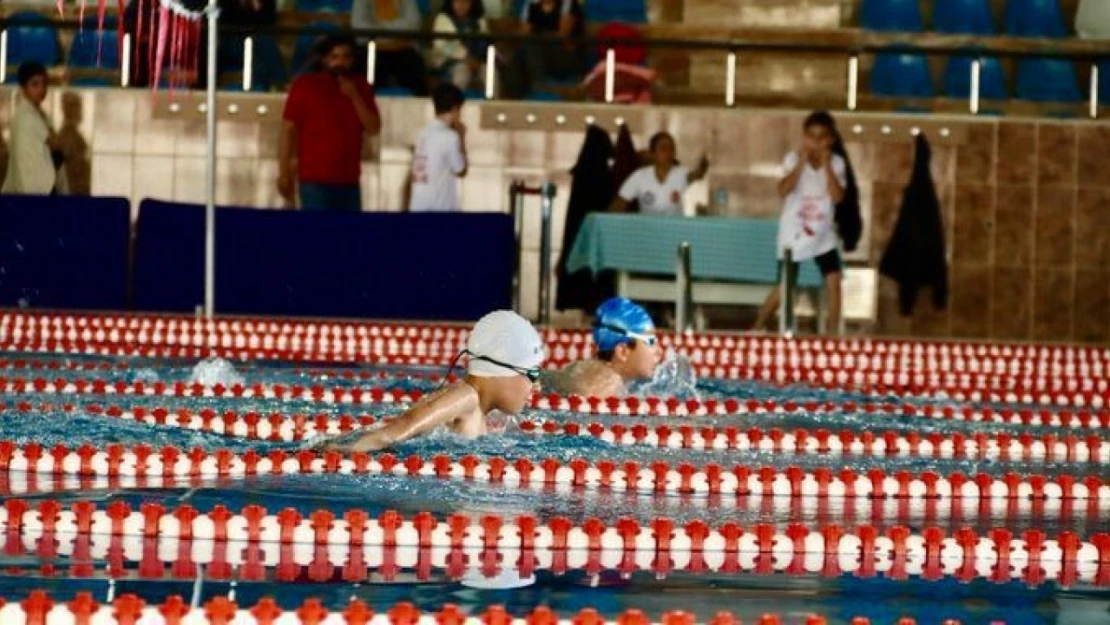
829, 262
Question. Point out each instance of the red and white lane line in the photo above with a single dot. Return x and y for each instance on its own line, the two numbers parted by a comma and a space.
459, 544
627, 406
656, 477
128, 609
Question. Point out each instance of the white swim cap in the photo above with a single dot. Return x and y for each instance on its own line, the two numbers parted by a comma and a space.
506, 337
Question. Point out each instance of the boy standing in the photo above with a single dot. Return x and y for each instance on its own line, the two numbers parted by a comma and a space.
440, 155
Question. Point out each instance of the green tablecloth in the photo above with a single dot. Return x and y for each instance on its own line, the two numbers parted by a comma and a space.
721, 249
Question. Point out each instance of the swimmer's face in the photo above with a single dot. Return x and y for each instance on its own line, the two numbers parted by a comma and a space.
638, 359
512, 393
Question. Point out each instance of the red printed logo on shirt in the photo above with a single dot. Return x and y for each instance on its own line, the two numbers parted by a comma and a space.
420, 169
810, 215
676, 197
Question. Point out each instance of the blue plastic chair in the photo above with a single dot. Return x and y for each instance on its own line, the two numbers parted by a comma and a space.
1035, 18
31, 38
957, 78
963, 17
304, 52
892, 15
901, 75
1047, 80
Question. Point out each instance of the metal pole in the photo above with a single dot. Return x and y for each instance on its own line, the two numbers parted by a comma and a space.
3, 56
1094, 91
125, 67
976, 71
491, 72
730, 79
853, 81
248, 63
371, 61
786, 313
610, 75
684, 297
548, 194
210, 173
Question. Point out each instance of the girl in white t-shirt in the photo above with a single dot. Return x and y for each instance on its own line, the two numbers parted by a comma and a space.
659, 187
814, 182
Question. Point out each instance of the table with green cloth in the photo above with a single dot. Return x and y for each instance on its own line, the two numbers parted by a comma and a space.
732, 260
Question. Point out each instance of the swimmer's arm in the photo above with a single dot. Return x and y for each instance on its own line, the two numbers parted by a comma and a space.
418, 420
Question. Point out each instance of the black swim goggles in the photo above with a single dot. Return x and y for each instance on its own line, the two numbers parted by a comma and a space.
647, 339
533, 374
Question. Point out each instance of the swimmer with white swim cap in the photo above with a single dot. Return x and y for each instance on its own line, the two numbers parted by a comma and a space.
505, 356
627, 350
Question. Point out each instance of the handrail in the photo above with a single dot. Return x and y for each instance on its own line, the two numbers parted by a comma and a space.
832, 41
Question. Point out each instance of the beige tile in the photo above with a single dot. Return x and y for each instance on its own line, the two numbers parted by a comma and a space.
113, 122
112, 175
526, 148
772, 136
154, 177
238, 140
483, 190
188, 179
369, 182
191, 139
483, 146
236, 180
391, 190
154, 136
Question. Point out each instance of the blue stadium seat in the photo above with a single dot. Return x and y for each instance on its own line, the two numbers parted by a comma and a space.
393, 92
303, 54
901, 75
474, 95
957, 78
92, 81
963, 17
544, 96
31, 38
268, 66
1103, 81
1047, 80
324, 6
425, 7
626, 11
892, 15
95, 49
1034, 18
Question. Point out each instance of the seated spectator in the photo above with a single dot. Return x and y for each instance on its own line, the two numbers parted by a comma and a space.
241, 13
658, 188
461, 62
1092, 19
398, 62
534, 62
35, 153
632, 82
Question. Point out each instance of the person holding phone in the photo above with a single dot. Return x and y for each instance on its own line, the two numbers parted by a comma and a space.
327, 115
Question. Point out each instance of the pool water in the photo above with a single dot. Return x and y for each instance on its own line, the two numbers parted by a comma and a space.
745, 594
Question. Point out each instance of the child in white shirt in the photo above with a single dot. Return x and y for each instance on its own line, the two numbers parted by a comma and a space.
440, 155
814, 182
659, 187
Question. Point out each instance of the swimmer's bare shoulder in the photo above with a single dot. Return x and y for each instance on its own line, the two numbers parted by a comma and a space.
456, 407
588, 378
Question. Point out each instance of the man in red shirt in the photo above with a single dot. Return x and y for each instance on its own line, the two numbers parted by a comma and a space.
327, 114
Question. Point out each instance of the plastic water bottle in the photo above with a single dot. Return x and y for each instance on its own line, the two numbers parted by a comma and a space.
720, 200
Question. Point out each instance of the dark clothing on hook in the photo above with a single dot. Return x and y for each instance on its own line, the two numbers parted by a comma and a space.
591, 192
849, 219
916, 255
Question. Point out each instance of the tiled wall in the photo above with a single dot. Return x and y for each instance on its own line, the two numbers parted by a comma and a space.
1026, 204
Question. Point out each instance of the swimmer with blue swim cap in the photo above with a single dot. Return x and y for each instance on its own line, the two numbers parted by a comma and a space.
505, 353
627, 350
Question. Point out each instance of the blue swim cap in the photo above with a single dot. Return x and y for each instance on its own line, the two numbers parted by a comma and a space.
615, 318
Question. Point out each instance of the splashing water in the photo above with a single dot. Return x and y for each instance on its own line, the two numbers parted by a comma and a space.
674, 376
213, 371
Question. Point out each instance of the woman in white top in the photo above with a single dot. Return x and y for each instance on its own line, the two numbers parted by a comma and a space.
659, 187
814, 181
34, 154
463, 62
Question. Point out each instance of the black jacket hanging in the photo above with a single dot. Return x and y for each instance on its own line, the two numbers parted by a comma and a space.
590, 192
915, 256
849, 220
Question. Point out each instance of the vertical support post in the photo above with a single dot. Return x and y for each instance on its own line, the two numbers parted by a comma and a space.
730, 79
515, 211
1094, 92
547, 204
371, 61
491, 71
976, 72
853, 81
3, 56
684, 296
610, 74
210, 171
125, 66
786, 312
248, 63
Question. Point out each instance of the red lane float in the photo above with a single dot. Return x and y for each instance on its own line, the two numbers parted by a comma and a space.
253, 540
128, 609
629, 476
628, 406
297, 427
845, 513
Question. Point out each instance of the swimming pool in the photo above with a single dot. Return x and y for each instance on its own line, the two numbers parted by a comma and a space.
864, 498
